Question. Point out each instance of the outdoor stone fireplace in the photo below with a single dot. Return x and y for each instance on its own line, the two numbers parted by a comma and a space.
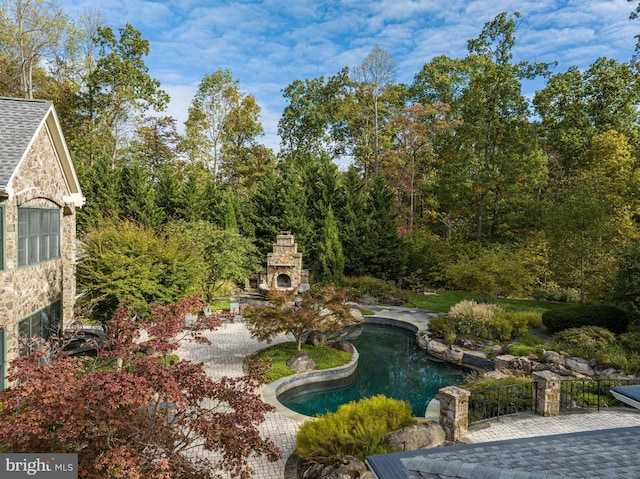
284, 267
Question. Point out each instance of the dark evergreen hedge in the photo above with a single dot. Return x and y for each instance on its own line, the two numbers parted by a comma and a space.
612, 318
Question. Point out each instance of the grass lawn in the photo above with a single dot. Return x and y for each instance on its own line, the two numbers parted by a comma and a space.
443, 301
278, 355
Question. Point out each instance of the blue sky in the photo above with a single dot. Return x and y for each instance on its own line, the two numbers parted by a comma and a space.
266, 44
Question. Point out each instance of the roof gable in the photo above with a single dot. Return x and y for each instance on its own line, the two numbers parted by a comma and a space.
20, 122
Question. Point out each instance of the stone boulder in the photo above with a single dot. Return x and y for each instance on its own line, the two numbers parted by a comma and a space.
580, 366
422, 339
421, 436
347, 467
301, 362
471, 342
436, 348
454, 354
315, 338
342, 346
356, 314
553, 357
512, 363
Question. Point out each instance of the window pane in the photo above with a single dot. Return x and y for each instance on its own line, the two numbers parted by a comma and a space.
2, 360
23, 232
34, 230
24, 333
1, 267
44, 236
54, 238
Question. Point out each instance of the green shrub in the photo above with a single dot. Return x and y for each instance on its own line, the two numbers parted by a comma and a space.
496, 271
502, 327
355, 429
531, 339
584, 342
556, 294
443, 327
523, 350
367, 289
478, 383
630, 342
610, 317
475, 319
518, 323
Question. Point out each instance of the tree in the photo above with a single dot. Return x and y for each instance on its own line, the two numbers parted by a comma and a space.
125, 261
137, 195
492, 164
324, 311
222, 125
376, 72
353, 219
227, 256
385, 252
31, 32
577, 105
330, 258
119, 87
145, 418
314, 119
591, 219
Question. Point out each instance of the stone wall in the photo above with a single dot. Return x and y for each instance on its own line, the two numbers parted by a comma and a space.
39, 182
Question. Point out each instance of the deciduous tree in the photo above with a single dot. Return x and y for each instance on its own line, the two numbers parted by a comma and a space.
324, 311
147, 418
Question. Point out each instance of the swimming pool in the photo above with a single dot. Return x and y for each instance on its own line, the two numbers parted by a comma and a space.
390, 363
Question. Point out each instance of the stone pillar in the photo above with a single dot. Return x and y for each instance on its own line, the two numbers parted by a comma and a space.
547, 393
454, 411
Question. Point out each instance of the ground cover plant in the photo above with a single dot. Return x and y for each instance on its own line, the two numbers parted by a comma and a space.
275, 358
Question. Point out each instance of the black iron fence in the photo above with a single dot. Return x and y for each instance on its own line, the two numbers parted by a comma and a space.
502, 401
591, 393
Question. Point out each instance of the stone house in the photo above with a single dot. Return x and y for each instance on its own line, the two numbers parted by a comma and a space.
39, 195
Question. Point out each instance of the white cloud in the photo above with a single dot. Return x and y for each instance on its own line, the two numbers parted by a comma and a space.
269, 43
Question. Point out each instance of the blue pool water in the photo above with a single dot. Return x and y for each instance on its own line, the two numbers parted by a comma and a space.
390, 363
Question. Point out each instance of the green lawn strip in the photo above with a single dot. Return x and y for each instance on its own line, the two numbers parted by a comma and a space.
443, 300
278, 354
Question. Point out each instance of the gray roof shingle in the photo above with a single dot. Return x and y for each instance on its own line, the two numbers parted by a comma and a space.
19, 121
606, 454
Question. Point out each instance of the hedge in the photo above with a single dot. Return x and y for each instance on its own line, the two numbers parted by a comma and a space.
612, 318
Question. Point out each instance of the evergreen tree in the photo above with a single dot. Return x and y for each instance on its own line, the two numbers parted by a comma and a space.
295, 213
194, 206
137, 196
385, 249
267, 211
169, 192
100, 187
354, 222
230, 221
329, 267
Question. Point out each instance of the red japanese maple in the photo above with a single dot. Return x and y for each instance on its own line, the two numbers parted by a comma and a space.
138, 417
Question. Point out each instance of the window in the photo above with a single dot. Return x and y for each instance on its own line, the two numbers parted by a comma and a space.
38, 235
2, 360
1, 245
43, 324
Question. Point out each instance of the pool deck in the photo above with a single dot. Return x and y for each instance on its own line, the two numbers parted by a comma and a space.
232, 343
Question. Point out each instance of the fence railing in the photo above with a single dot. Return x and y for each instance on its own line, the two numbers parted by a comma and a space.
591, 393
502, 401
